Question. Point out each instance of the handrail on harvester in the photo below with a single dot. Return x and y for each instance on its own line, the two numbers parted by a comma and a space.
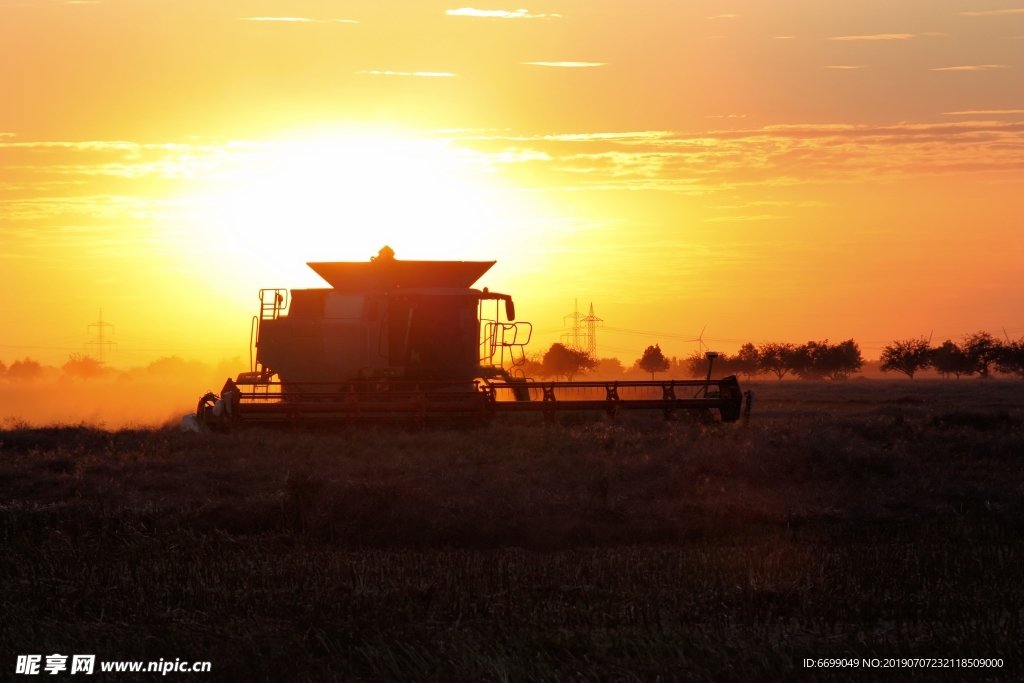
273, 303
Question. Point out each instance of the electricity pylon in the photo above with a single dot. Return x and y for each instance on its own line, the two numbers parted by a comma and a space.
580, 338
593, 322
101, 344
572, 338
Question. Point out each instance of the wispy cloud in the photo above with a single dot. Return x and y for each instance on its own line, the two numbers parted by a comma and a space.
993, 12
724, 16
54, 178
973, 67
94, 206
879, 36
302, 20
425, 74
763, 202
569, 65
627, 136
846, 67
784, 37
759, 217
497, 13
733, 207
722, 160
986, 112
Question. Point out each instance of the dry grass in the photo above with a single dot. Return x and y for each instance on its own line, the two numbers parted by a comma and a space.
857, 519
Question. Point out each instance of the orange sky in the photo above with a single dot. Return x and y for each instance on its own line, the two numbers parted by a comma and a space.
773, 170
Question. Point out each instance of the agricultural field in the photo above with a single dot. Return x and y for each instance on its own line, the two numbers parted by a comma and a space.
859, 519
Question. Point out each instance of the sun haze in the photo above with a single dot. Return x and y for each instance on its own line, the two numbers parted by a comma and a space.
774, 171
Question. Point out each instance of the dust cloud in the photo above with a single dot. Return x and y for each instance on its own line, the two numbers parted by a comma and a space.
149, 396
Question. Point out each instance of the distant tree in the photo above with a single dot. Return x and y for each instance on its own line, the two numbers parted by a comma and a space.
609, 368
168, 366
3, 368
983, 349
950, 359
841, 360
819, 360
907, 356
776, 358
86, 367
25, 370
562, 361
533, 367
1011, 358
696, 365
653, 360
724, 365
805, 361
747, 361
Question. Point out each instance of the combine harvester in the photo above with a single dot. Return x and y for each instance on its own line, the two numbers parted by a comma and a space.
413, 340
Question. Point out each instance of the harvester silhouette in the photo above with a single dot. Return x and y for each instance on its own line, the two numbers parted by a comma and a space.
392, 339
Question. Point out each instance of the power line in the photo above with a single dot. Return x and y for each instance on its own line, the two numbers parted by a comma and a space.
46, 348
619, 348
670, 335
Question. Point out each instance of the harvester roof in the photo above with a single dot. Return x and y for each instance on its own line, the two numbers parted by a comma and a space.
387, 272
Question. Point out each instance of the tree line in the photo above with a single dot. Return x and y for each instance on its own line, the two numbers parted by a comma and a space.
24, 370
813, 360
976, 354
979, 354
85, 367
78, 365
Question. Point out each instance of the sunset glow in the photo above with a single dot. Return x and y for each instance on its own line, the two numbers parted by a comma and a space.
795, 170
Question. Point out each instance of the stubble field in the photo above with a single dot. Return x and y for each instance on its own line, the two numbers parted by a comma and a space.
849, 520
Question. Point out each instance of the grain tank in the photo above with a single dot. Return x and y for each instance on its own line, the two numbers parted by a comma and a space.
388, 318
